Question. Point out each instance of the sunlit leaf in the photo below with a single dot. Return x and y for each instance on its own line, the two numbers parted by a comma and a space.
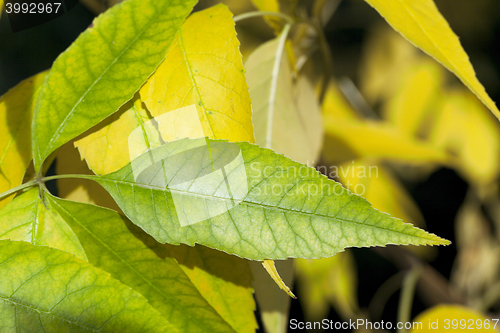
28, 219
115, 245
106, 148
223, 198
325, 282
465, 128
223, 280
421, 23
453, 318
103, 69
416, 97
16, 110
378, 140
203, 67
267, 5
286, 114
48, 290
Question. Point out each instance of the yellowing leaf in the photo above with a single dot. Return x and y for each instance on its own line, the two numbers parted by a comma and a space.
203, 67
386, 56
16, 111
453, 318
421, 23
274, 304
467, 130
273, 273
28, 219
377, 185
328, 281
267, 5
286, 114
416, 97
346, 141
223, 280
106, 148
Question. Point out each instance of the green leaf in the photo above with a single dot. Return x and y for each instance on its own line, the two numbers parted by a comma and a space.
103, 69
286, 114
248, 201
16, 110
48, 290
117, 246
28, 219
422, 24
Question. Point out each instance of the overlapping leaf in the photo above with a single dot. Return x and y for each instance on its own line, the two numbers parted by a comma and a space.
76, 296
231, 185
286, 114
115, 56
223, 280
203, 67
16, 110
115, 245
27, 219
421, 23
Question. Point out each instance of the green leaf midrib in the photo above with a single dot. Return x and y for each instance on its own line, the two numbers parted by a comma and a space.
280, 209
127, 264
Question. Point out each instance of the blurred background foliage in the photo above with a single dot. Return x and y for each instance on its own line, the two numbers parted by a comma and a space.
386, 105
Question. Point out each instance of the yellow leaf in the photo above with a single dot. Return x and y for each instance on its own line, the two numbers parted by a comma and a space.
377, 185
267, 5
350, 140
325, 282
286, 113
453, 318
223, 280
416, 97
274, 304
16, 111
105, 148
421, 23
203, 67
465, 128
386, 56
273, 273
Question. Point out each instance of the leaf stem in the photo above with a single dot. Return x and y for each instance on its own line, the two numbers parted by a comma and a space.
248, 15
91, 177
407, 293
18, 188
274, 83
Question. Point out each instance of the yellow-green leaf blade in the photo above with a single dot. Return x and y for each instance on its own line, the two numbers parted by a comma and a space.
223, 280
103, 69
306, 216
117, 246
27, 219
203, 67
286, 114
48, 290
421, 23
16, 111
